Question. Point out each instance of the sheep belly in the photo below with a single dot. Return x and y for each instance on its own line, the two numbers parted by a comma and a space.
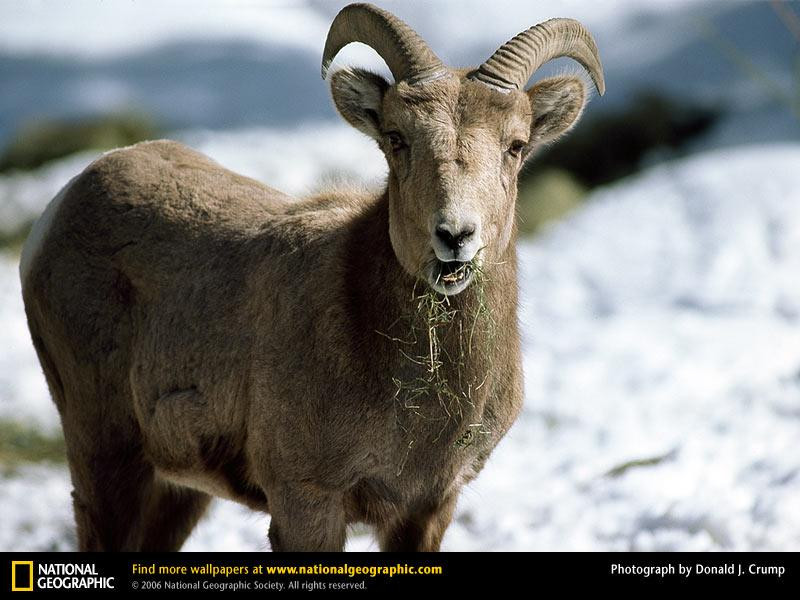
189, 449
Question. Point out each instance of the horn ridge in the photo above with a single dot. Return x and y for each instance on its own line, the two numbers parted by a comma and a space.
513, 64
406, 54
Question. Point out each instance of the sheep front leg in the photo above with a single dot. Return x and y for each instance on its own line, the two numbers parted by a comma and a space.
420, 531
306, 519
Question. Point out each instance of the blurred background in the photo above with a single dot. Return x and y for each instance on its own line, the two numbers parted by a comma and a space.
660, 295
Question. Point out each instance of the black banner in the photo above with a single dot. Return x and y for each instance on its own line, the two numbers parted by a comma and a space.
358, 573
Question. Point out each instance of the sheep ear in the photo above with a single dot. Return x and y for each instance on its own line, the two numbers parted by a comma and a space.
556, 105
358, 96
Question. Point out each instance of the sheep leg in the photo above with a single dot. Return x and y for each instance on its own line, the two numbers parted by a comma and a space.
110, 488
419, 531
306, 519
170, 515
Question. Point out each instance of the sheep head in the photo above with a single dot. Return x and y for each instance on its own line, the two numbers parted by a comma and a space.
456, 139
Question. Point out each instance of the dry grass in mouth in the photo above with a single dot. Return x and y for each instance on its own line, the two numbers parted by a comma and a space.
437, 339
450, 277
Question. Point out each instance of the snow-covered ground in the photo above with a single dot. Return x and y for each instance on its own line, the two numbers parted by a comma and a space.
661, 322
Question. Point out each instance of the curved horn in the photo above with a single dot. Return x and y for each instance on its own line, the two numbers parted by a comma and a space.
405, 52
510, 67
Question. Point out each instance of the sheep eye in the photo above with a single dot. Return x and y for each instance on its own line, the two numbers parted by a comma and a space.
396, 141
516, 148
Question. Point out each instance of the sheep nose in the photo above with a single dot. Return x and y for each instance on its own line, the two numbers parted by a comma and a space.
457, 240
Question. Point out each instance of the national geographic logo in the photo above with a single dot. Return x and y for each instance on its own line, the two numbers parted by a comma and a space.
27, 577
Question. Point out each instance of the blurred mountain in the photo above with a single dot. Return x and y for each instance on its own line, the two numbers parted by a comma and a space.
743, 59
181, 85
718, 53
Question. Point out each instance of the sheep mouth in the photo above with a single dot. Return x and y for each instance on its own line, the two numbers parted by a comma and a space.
450, 277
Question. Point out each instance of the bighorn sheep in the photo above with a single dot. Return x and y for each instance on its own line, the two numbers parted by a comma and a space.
349, 357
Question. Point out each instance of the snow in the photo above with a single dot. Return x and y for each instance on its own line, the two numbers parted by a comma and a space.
660, 322
23, 392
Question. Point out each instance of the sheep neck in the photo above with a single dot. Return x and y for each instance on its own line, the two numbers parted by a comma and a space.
438, 349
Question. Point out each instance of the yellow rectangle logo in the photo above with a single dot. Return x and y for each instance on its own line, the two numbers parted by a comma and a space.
20, 580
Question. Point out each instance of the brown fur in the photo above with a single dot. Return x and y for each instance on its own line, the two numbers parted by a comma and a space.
204, 334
